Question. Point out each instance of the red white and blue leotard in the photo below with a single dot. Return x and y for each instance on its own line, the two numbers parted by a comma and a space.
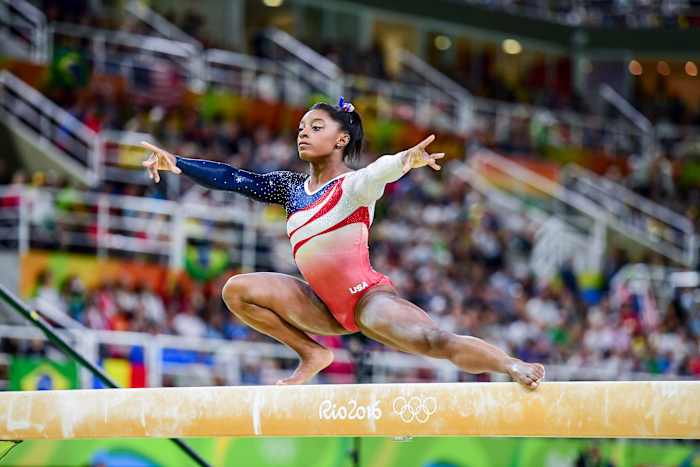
328, 228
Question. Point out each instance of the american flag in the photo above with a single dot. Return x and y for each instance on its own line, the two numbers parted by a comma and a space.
156, 81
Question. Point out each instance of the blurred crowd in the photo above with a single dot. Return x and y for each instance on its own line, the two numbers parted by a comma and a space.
200, 130
86, 13
467, 265
442, 245
608, 14
544, 80
154, 105
127, 305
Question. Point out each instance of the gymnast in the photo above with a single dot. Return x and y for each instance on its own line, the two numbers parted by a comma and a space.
329, 213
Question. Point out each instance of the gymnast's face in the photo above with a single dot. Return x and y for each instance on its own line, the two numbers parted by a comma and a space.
319, 136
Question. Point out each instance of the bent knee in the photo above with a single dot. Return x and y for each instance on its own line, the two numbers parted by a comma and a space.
239, 289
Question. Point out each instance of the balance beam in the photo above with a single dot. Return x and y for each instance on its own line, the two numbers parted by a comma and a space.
660, 409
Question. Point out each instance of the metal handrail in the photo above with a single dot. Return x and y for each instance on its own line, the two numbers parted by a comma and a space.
28, 10
304, 53
242, 74
160, 45
168, 225
582, 204
575, 119
615, 198
546, 10
34, 19
650, 145
18, 100
537, 181
405, 92
459, 97
184, 56
237, 349
496, 196
622, 193
433, 76
330, 79
35, 97
249, 62
625, 108
159, 24
50, 334
306, 65
541, 261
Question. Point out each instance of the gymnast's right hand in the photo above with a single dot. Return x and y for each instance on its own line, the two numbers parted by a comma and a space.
159, 159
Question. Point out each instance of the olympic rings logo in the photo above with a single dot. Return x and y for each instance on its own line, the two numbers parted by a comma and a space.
415, 408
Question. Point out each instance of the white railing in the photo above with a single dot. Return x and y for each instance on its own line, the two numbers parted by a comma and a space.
124, 53
23, 26
647, 280
556, 242
500, 199
158, 24
583, 212
106, 225
298, 71
520, 179
672, 232
682, 138
294, 71
71, 143
510, 128
436, 102
164, 28
304, 63
12, 210
254, 77
625, 108
597, 14
424, 105
452, 98
242, 362
611, 96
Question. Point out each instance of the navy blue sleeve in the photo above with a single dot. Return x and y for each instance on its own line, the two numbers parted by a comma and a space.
272, 187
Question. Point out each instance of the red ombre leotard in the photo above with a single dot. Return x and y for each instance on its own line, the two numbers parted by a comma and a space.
328, 228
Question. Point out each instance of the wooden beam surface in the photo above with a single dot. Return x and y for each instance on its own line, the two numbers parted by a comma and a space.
660, 409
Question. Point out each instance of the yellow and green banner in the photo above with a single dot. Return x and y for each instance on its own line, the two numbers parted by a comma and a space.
34, 373
374, 452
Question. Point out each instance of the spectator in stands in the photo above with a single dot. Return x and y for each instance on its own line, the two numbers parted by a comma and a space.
47, 294
188, 322
74, 297
484, 291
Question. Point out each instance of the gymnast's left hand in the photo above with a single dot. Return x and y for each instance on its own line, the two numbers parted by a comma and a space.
417, 156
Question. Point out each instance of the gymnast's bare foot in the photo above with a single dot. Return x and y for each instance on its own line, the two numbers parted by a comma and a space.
309, 366
527, 374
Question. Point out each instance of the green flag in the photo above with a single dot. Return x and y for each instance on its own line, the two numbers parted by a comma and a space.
32, 373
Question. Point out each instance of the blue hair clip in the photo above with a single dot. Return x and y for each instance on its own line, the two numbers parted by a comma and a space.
345, 106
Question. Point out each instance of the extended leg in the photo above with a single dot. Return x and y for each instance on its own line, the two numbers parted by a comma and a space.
391, 320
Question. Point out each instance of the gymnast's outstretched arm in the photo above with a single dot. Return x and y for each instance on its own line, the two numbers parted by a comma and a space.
272, 187
367, 184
